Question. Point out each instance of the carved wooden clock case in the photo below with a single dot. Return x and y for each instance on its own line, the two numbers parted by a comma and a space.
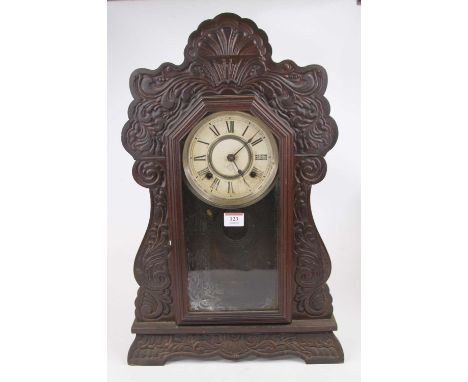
231, 131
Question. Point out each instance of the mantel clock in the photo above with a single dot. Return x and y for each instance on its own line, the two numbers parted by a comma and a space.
229, 144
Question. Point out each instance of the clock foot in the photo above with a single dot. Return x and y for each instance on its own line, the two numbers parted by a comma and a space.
149, 349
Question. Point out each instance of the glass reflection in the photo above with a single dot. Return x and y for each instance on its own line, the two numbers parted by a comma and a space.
231, 268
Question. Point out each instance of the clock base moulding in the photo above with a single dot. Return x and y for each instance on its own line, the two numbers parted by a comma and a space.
311, 340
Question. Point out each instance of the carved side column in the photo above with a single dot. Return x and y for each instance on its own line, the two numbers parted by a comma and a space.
312, 297
151, 266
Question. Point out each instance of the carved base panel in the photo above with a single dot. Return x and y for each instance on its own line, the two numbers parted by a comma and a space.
148, 349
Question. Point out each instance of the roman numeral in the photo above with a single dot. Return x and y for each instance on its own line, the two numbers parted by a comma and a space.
200, 141
257, 141
230, 126
246, 129
214, 130
230, 188
203, 172
200, 157
215, 184
261, 156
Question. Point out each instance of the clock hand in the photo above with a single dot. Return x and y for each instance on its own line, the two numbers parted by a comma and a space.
240, 173
246, 143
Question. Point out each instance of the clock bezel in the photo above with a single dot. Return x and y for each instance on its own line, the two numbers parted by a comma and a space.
227, 203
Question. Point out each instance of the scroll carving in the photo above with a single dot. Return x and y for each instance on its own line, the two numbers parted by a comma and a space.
312, 348
229, 55
152, 261
313, 265
149, 173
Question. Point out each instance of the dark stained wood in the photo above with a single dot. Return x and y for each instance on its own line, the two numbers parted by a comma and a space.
285, 136
156, 350
296, 326
228, 66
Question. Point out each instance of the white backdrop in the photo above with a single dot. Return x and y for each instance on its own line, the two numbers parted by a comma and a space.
146, 34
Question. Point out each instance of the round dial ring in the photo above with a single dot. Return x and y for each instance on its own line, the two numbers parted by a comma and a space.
230, 159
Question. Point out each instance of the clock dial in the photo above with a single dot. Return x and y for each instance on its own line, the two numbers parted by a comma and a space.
230, 159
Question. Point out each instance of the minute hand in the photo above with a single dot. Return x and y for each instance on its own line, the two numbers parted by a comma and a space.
246, 143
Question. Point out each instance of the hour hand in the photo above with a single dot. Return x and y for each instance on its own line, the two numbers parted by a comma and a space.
238, 169
241, 173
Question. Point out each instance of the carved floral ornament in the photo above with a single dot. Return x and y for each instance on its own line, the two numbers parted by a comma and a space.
156, 350
228, 55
